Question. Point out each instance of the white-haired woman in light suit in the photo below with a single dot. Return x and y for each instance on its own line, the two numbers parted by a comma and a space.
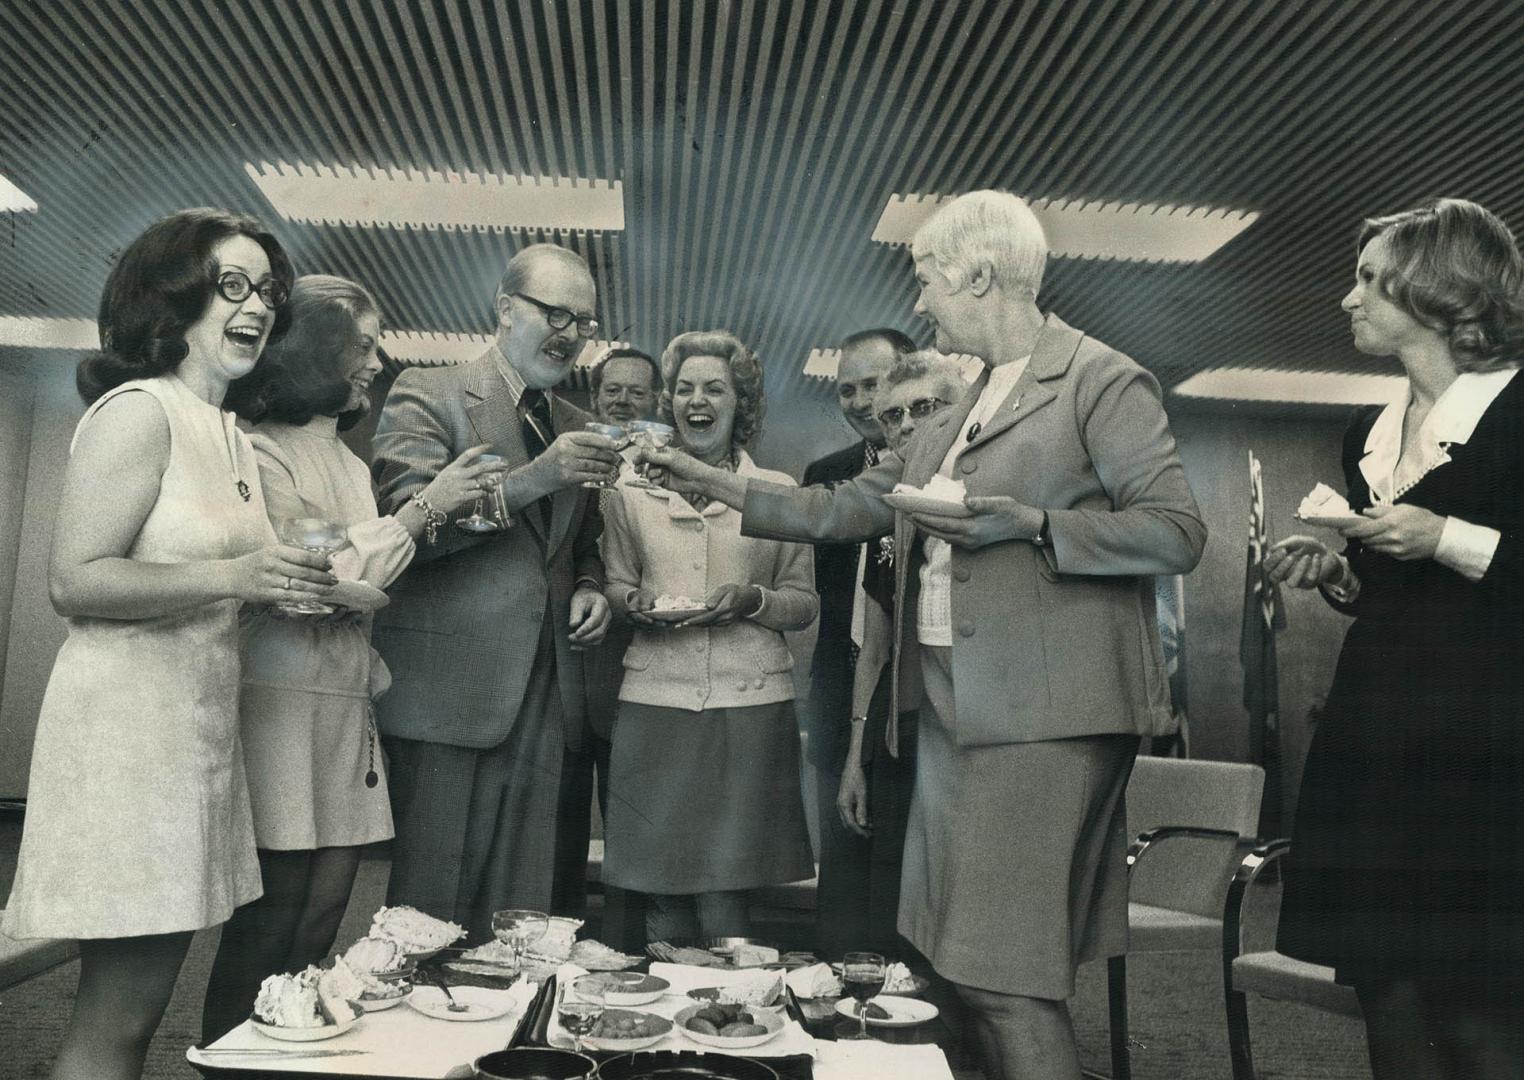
704, 797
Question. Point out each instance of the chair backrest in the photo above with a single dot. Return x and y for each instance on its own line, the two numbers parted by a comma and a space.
1187, 874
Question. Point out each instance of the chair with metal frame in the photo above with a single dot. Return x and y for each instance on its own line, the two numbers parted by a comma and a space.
1191, 819
1267, 973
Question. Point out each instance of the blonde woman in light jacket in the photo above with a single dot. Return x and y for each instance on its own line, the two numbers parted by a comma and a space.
704, 801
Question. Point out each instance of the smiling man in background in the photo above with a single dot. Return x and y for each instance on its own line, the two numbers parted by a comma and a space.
842, 892
483, 632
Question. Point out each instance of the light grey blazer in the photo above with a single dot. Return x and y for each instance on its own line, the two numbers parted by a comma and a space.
462, 632
1048, 643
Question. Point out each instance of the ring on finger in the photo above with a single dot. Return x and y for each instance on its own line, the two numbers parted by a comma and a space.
288, 586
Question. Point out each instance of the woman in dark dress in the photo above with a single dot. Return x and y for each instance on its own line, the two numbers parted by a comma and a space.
1405, 872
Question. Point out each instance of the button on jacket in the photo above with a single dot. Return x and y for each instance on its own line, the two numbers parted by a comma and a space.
656, 540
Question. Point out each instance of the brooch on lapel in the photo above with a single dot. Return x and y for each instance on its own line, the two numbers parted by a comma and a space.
885, 552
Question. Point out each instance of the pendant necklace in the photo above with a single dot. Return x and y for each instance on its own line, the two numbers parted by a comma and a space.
232, 447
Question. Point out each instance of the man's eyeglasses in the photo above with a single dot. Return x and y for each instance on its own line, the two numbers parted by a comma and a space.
235, 286
559, 318
919, 409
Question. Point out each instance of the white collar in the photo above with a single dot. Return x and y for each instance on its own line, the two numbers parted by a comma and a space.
1452, 419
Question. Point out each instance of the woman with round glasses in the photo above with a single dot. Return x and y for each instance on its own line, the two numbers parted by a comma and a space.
316, 779
138, 830
880, 767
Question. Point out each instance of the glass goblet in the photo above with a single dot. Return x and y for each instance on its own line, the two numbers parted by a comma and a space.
862, 977
516, 928
621, 440
582, 1005
316, 534
476, 522
649, 435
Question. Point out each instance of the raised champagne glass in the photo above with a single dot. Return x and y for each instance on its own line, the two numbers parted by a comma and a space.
317, 534
648, 435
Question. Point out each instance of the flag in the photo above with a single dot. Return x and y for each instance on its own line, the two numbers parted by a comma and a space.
1264, 616
1169, 605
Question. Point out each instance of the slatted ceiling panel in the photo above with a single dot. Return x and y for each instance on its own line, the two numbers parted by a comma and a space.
757, 141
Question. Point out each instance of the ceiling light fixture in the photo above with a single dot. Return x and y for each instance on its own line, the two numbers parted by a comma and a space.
29, 332
13, 199
418, 199
1094, 228
1292, 387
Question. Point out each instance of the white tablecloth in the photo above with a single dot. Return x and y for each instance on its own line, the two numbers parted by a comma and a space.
400, 1041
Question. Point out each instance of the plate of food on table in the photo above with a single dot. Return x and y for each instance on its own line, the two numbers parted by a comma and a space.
420, 935
307, 1006
622, 1030
461, 1004
757, 991
621, 987
728, 1027
889, 1010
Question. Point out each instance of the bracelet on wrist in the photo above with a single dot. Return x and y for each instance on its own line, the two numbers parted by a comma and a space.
432, 518
859, 720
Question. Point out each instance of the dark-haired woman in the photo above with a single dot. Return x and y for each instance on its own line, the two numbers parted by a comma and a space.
1405, 872
138, 830
315, 776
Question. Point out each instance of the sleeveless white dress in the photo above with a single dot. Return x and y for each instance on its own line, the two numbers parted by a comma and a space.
138, 818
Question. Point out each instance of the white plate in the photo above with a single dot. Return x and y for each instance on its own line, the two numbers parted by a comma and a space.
920, 504
311, 1034
773, 1023
382, 1004
1333, 521
903, 1011
621, 1046
636, 989
675, 614
480, 1003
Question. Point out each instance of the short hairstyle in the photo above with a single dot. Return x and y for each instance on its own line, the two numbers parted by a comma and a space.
1455, 268
596, 378
986, 226
929, 363
897, 340
745, 375
520, 268
306, 373
160, 286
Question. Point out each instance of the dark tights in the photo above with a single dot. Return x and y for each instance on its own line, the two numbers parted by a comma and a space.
292, 925
1420, 1034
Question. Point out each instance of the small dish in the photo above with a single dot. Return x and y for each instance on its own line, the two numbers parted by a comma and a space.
639, 1042
480, 1003
907, 503
623, 987
771, 1021
903, 1011
675, 614
302, 1034
381, 1004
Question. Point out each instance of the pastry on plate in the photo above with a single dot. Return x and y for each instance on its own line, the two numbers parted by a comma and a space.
414, 930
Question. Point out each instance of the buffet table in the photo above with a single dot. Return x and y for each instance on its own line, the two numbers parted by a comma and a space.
402, 1043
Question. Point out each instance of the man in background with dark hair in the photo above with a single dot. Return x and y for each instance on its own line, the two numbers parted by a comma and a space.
625, 386
841, 896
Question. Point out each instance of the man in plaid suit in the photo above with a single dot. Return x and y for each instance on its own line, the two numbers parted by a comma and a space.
484, 630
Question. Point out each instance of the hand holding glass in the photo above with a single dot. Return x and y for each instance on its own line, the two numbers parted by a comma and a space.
475, 522
621, 440
648, 435
517, 928
316, 534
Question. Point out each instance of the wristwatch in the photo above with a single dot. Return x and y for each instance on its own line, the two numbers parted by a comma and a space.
1041, 539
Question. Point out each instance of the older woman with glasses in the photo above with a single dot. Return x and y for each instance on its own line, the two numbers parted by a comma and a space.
317, 785
704, 794
880, 765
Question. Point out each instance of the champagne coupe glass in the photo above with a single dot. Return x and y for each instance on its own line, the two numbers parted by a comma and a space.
582, 1006
516, 928
621, 439
317, 534
862, 976
649, 435
476, 523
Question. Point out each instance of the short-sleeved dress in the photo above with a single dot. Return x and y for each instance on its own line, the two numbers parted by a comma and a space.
138, 815
307, 685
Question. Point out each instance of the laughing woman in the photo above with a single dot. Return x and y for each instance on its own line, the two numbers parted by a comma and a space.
704, 801
138, 830
315, 776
